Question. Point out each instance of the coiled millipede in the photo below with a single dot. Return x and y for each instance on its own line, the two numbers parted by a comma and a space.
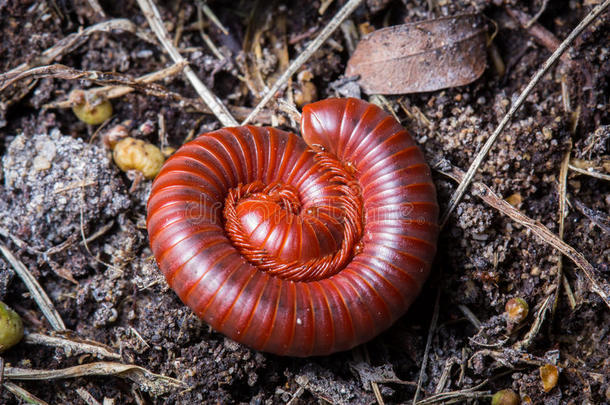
298, 246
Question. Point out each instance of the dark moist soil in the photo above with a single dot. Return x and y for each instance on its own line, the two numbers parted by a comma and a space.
55, 172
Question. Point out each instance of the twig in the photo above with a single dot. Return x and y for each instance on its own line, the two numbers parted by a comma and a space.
470, 316
95, 5
210, 14
86, 396
538, 14
459, 192
492, 199
536, 325
156, 24
374, 384
590, 172
37, 292
110, 92
206, 38
431, 331
23, 394
313, 46
563, 179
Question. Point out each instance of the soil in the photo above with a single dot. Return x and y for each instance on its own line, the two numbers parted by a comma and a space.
59, 181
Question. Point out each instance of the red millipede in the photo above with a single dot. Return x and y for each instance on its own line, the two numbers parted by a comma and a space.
298, 246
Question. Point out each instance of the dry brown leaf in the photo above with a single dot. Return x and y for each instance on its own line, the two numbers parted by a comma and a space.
422, 56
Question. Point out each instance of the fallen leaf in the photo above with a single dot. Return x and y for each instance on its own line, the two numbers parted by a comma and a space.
423, 56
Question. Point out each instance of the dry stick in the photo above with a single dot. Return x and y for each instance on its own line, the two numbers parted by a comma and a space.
459, 192
347, 9
23, 394
210, 14
431, 331
591, 173
156, 24
492, 199
563, 178
114, 91
38, 294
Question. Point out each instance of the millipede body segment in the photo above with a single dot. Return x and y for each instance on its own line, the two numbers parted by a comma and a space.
298, 246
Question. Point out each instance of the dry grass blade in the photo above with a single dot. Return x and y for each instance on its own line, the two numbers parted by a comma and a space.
148, 381
117, 85
536, 325
455, 396
492, 199
37, 292
110, 92
313, 46
23, 394
72, 346
156, 24
459, 192
562, 191
431, 331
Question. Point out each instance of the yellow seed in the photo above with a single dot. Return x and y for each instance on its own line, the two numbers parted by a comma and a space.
505, 397
514, 199
168, 151
516, 310
549, 374
11, 327
305, 93
90, 108
135, 154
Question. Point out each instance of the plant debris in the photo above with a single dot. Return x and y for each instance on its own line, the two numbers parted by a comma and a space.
423, 56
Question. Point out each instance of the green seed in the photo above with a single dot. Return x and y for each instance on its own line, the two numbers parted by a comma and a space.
11, 327
505, 397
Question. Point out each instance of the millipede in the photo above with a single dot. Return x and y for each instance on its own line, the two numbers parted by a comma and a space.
298, 246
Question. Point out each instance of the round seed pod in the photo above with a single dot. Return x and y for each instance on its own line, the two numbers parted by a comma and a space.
90, 108
516, 310
505, 397
11, 327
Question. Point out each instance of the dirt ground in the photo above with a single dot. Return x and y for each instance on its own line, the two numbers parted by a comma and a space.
60, 183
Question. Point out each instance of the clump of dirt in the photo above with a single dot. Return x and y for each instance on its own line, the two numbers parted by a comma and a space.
52, 179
